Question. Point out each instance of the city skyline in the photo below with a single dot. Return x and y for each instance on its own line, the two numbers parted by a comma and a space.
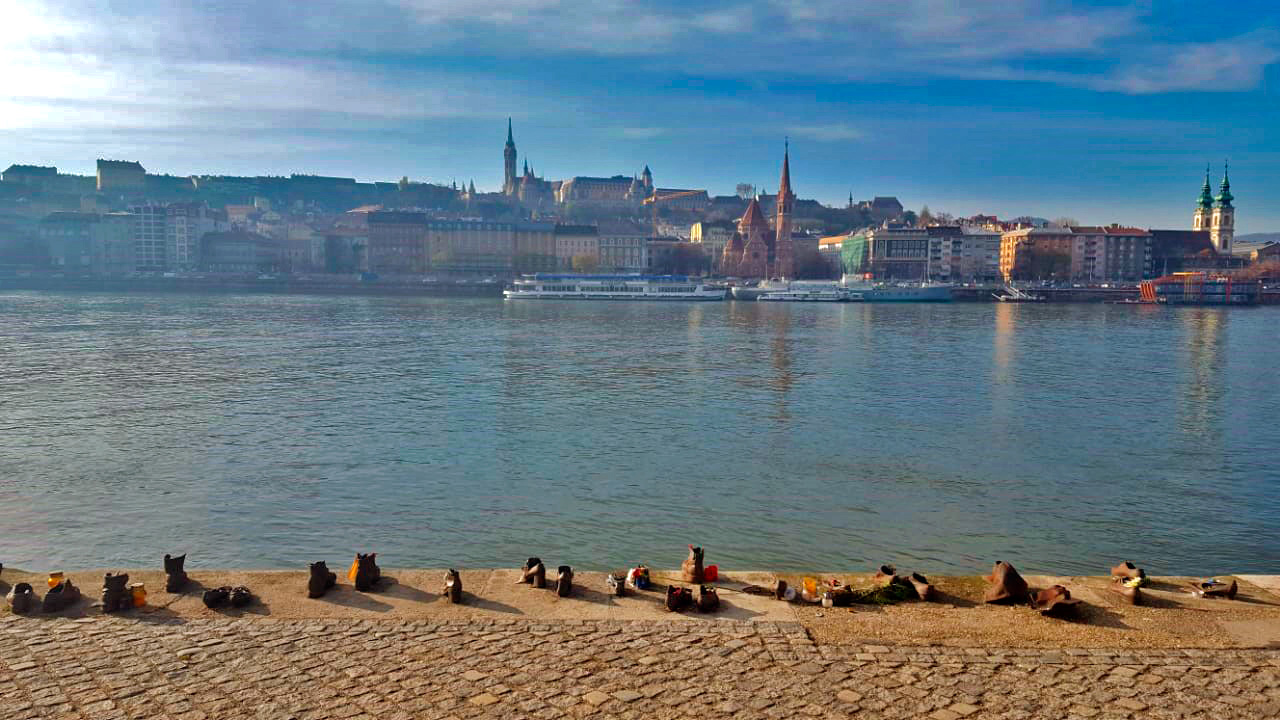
1034, 108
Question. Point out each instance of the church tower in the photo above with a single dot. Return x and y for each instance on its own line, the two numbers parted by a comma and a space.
783, 251
1204, 205
509, 162
1222, 225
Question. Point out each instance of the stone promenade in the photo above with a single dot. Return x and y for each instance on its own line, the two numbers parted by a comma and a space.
100, 668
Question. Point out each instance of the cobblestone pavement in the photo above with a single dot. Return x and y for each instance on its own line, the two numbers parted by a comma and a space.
99, 668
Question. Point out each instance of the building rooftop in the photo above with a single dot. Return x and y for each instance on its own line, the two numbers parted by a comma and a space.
40, 170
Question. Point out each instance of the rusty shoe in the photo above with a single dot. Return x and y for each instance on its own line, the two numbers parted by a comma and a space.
564, 580
885, 574
708, 600
60, 596
115, 593
367, 572
534, 572
321, 579
691, 569
920, 583
22, 598
1214, 588
1006, 585
1127, 570
1054, 600
175, 578
452, 586
678, 598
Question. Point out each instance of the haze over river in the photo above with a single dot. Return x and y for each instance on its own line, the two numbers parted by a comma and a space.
269, 432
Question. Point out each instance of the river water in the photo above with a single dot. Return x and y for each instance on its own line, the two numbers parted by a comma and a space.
264, 431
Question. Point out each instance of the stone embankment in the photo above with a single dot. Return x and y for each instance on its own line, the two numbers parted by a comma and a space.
514, 651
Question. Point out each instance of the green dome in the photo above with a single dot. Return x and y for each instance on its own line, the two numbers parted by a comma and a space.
1224, 191
1206, 193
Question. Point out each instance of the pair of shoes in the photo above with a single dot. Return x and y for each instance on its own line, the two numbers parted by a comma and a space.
678, 598
616, 583
888, 575
175, 577
534, 573
61, 596
1214, 588
1006, 585
564, 580
364, 572
452, 586
22, 598
691, 569
1127, 579
115, 593
321, 580
238, 596
708, 600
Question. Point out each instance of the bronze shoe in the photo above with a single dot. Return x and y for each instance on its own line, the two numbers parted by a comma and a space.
452, 586
321, 580
564, 580
1054, 600
1007, 586
708, 599
1127, 569
923, 589
1214, 588
691, 569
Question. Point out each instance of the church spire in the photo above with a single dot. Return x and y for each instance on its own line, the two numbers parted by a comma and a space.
1206, 193
784, 185
510, 139
1224, 190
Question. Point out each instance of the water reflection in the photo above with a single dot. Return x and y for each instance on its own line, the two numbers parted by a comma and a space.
1002, 371
780, 359
1200, 409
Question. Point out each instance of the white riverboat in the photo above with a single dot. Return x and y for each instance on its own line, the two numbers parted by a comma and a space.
901, 292
801, 291
548, 286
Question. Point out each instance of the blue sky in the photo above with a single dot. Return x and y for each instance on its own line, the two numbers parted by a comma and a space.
1106, 112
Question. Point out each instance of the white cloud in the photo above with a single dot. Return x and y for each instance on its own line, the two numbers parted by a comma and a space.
643, 133
1233, 64
828, 133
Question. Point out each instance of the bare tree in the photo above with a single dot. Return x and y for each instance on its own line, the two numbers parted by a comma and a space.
1065, 222
746, 191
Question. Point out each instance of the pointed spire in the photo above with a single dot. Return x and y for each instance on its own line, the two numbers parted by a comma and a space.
510, 139
784, 185
526, 166
1206, 193
472, 189
1224, 190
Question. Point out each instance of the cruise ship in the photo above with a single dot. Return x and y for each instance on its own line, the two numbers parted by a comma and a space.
546, 286
903, 292
806, 291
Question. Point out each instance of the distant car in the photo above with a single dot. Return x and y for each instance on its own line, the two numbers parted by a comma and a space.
489, 280
460, 282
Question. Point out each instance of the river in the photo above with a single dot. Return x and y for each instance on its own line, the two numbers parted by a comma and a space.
270, 431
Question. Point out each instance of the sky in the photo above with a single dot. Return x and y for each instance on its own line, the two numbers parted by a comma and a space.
1102, 112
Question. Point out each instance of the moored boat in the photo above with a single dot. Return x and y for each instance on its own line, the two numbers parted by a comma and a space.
1199, 288
801, 291
901, 292
550, 286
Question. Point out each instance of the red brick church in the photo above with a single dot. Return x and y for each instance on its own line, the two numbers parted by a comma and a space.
756, 251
